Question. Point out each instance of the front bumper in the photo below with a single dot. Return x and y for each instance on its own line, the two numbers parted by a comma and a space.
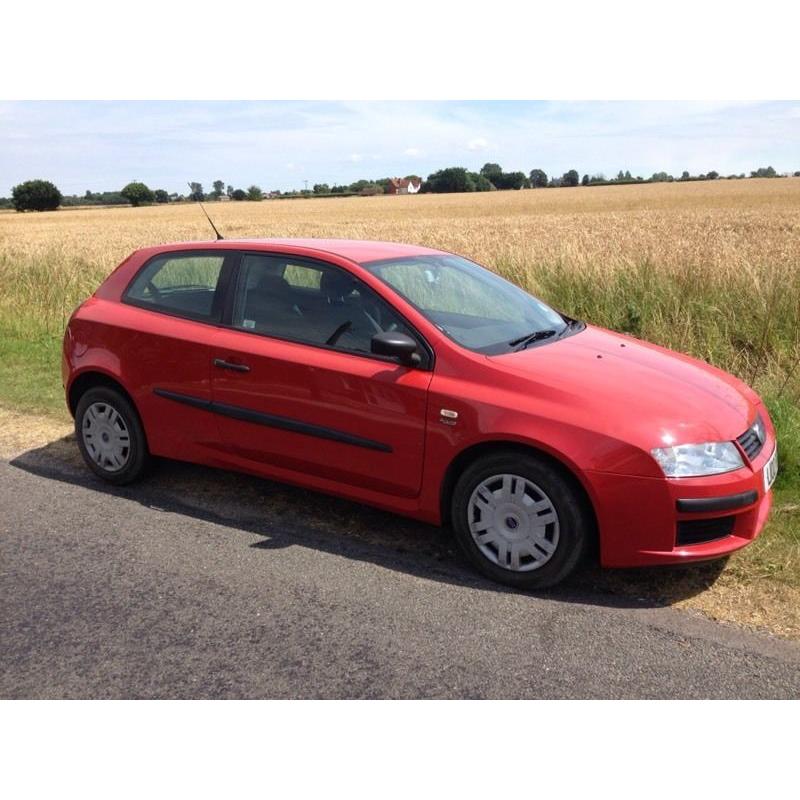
638, 518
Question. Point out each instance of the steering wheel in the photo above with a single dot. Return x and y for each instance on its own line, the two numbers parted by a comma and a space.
334, 337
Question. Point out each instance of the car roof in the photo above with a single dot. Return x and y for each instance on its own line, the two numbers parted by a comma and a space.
358, 250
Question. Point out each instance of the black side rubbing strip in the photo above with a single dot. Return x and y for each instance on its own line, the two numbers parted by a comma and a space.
727, 503
186, 399
273, 421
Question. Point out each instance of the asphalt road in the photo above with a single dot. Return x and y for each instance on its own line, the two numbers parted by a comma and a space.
199, 583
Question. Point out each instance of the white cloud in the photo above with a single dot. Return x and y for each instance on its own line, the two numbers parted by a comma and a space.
355, 157
478, 143
411, 151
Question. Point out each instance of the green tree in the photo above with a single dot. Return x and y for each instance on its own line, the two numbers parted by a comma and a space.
570, 178
585, 180
451, 179
137, 193
510, 180
219, 188
322, 188
161, 196
238, 194
491, 172
196, 192
763, 172
254, 193
481, 182
229, 191
685, 176
538, 178
36, 195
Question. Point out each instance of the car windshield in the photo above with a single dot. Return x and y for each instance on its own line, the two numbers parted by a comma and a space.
472, 305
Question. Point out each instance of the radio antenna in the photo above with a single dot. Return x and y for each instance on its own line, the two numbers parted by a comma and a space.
219, 235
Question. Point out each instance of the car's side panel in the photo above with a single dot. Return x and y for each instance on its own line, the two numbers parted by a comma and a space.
342, 417
495, 414
145, 350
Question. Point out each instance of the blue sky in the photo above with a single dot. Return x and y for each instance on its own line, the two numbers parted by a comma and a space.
279, 144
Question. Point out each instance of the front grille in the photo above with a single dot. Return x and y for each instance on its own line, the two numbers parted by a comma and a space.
752, 440
697, 531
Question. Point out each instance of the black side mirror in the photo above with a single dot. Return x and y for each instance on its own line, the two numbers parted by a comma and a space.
396, 345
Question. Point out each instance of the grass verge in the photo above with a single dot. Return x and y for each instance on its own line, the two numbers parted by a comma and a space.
30, 374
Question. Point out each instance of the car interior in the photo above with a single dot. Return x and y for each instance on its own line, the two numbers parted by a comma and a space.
317, 304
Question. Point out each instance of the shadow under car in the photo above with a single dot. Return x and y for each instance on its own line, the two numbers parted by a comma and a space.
268, 515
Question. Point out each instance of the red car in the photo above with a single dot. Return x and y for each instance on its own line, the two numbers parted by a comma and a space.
419, 382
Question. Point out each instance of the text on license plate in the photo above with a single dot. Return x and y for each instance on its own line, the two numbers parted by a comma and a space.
771, 470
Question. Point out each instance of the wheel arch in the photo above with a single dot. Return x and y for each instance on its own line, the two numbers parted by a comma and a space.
89, 380
482, 449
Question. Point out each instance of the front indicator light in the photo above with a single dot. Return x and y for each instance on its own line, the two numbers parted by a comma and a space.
696, 460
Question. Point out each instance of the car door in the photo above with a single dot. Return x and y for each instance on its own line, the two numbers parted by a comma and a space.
168, 318
295, 386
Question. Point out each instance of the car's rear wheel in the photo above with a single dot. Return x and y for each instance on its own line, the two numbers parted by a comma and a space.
520, 520
110, 435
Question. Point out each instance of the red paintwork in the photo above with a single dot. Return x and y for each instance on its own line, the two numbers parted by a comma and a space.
596, 401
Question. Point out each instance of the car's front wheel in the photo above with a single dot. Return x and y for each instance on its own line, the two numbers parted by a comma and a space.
110, 435
519, 520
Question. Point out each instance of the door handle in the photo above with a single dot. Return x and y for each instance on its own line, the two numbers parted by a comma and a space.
223, 364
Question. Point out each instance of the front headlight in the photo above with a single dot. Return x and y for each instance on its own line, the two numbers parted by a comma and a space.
695, 460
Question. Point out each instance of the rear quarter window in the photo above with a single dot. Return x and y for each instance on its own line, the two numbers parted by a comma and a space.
183, 285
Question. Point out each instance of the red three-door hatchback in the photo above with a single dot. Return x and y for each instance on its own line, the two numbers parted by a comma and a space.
421, 383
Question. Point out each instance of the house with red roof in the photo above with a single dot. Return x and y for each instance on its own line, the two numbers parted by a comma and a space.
403, 186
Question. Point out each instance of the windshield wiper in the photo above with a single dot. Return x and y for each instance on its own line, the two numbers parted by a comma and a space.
530, 338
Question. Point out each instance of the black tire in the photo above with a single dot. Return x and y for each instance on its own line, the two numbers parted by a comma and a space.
574, 520
137, 456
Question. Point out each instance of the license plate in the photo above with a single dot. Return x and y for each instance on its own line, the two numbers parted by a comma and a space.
771, 470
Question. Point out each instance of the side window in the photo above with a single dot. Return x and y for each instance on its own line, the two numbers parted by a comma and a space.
182, 284
317, 304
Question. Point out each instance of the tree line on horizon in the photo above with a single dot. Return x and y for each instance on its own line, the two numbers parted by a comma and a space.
42, 195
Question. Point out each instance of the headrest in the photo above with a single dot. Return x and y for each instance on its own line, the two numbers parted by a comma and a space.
336, 285
272, 282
